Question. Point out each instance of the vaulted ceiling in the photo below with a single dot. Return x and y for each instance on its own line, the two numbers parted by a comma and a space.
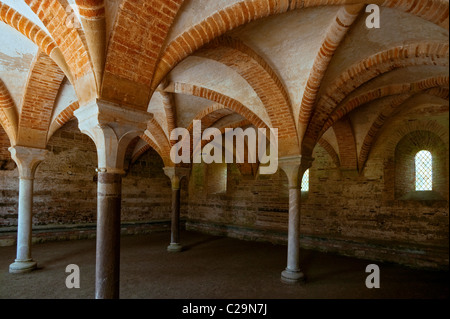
312, 68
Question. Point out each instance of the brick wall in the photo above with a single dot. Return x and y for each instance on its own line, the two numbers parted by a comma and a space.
343, 212
66, 188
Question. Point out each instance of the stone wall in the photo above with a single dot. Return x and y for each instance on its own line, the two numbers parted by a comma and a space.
65, 191
344, 211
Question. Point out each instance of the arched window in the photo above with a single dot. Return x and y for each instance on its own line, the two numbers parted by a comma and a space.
305, 181
424, 171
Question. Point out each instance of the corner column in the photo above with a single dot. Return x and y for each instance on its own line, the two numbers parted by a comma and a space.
175, 174
27, 160
112, 127
294, 167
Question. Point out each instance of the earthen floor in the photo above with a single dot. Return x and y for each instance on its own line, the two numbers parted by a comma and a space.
211, 268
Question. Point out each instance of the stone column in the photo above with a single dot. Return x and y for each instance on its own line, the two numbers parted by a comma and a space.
294, 167
112, 128
175, 174
27, 160
107, 271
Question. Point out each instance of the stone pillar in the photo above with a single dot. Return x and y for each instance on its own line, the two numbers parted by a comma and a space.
27, 160
107, 270
175, 174
112, 128
294, 167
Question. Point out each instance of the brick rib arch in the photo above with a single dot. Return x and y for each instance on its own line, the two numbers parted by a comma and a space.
158, 139
5, 143
400, 57
335, 34
17, 21
264, 81
246, 11
91, 9
145, 144
93, 18
210, 115
232, 104
393, 107
245, 168
443, 93
347, 144
141, 148
65, 116
330, 150
170, 110
139, 33
71, 42
8, 113
371, 136
42, 89
433, 83
421, 125
169, 106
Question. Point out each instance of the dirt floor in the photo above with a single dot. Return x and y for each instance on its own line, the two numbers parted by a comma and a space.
211, 268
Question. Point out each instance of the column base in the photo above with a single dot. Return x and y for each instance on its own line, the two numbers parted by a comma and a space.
20, 267
174, 248
292, 277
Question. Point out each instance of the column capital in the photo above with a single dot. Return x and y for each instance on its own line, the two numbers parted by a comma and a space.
27, 160
112, 127
176, 174
295, 167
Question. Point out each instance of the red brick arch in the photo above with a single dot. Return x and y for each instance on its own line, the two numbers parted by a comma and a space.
336, 32
161, 142
144, 145
71, 42
433, 83
245, 168
41, 91
347, 144
232, 104
91, 9
139, 33
443, 93
65, 116
388, 110
141, 149
5, 144
210, 115
247, 63
170, 110
420, 125
246, 11
330, 150
8, 113
429, 53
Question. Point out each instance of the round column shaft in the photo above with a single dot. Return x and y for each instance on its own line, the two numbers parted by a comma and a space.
107, 268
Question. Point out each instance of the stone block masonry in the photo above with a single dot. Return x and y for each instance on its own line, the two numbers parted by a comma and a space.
344, 212
66, 186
